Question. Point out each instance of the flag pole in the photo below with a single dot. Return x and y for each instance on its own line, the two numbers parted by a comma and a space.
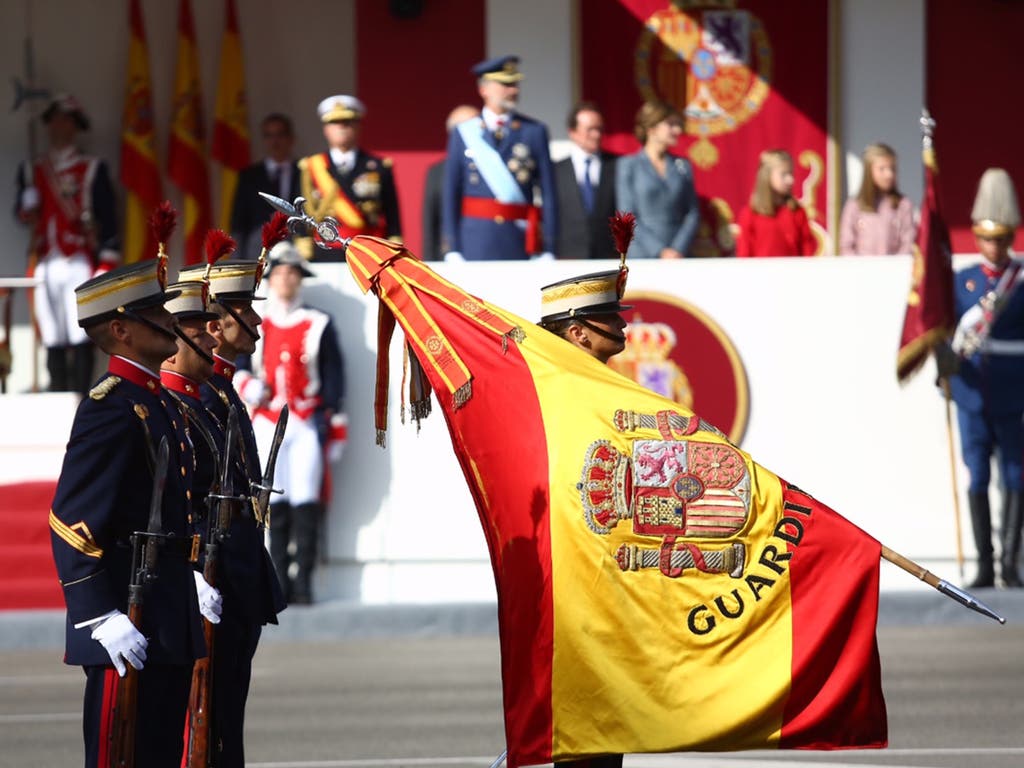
952, 475
500, 759
949, 590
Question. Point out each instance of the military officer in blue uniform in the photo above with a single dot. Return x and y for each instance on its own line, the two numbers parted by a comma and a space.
103, 496
252, 594
495, 165
988, 386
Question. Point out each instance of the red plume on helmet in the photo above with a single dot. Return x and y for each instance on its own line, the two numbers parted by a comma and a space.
218, 245
623, 225
162, 221
274, 231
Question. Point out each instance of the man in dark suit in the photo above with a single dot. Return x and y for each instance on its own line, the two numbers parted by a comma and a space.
431, 250
495, 166
586, 189
277, 174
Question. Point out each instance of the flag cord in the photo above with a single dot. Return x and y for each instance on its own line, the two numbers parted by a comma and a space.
949, 590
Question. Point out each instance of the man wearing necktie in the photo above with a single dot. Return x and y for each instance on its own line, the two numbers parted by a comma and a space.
586, 188
276, 174
497, 164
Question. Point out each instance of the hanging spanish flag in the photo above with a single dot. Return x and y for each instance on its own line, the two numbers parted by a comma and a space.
658, 590
186, 156
930, 314
140, 173
230, 145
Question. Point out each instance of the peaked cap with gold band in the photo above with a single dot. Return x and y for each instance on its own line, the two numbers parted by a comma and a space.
192, 302
995, 212
133, 286
230, 279
340, 107
503, 69
597, 293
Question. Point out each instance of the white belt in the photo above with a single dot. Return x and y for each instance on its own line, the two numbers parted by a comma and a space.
1003, 346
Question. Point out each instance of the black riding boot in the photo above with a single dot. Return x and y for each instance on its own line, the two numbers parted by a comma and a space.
81, 372
280, 532
306, 522
1011, 524
57, 368
981, 523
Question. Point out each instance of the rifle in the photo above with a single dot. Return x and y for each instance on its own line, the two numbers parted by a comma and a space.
261, 501
197, 750
145, 550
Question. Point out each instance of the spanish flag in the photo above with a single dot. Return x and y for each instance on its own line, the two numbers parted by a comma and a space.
230, 145
186, 156
930, 315
140, 173
658, 590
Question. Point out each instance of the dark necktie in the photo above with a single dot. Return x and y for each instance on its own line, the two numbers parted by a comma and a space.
586, 188
275, 179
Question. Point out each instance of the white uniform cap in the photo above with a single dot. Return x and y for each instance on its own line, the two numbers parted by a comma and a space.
340, 107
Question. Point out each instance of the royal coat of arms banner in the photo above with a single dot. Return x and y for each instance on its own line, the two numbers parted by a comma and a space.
748, 75
658, 590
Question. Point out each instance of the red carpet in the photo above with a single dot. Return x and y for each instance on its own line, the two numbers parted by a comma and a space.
27, 576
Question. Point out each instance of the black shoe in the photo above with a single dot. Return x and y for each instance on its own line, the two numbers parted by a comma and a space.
301, 598
985, 579
1011, 579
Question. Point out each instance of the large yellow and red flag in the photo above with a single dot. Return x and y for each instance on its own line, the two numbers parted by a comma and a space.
930, 315
186, 156
657, 589
230, 146
140, 172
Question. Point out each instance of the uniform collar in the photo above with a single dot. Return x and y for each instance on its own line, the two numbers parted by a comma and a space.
179, 383
133, 372
223, 367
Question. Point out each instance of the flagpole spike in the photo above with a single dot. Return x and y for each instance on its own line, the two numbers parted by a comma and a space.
962, 596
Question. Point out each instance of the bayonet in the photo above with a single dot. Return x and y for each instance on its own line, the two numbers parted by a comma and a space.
263, 489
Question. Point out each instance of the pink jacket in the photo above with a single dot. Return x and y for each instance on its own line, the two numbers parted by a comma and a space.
886, 230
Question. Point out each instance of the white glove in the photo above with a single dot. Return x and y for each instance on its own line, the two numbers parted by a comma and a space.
251, 388
546, 256
29, 199
210, 601
453, 256
122, 642
968, 336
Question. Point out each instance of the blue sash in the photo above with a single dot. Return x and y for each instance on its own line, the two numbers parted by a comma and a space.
490, 164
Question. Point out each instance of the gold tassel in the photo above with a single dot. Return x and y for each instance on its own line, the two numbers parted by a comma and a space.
462, 394
381, 435
419, 391
517, 334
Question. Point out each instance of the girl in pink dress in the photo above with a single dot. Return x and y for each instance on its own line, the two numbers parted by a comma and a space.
879, 220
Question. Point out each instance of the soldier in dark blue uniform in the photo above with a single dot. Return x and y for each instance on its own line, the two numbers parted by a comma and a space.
988, 388
495, 165
252, 594
103, 495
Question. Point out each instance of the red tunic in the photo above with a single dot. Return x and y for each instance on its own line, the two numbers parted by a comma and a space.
64, 206
787, 233
291, 362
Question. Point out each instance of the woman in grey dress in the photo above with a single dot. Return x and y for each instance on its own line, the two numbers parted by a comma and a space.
658, 187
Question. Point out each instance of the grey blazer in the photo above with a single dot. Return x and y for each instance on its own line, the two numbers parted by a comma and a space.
666, 208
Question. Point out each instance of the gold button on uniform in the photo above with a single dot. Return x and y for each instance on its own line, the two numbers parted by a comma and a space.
182, 471
499, 219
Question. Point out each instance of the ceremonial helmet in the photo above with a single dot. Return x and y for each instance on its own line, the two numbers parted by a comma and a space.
995, 213
285, 254
122, 290
596, 293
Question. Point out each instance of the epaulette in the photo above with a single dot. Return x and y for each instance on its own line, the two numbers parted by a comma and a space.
104, 388
387, 162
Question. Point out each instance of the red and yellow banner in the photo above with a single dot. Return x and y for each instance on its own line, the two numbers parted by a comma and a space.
930, 314
186, 156
230, 146
140, 172
748, 75
657, 589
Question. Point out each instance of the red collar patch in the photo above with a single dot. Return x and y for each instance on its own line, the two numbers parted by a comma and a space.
183, 385
129, 372
223, 367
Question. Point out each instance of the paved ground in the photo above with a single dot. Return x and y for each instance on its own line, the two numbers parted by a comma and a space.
954, 698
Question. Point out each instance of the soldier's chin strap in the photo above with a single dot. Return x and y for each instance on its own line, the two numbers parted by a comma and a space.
195, 347
131, 314
238, 318
600, 331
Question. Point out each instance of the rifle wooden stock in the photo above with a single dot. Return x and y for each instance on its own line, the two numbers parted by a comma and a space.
121, 749
197, 750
